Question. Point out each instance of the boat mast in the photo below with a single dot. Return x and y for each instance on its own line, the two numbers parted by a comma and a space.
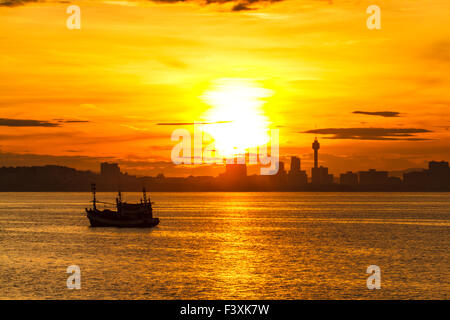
144, 195
119, 197
147, 202
94, 200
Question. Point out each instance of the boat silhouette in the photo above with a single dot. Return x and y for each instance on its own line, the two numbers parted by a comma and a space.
127, 215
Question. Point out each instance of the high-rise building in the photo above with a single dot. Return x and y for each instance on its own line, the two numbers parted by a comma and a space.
296, 176
295, 165
281, 169
373, 178
236, 170
320, 176
437, 176
417, 179
348, 179
280, 178
439, 172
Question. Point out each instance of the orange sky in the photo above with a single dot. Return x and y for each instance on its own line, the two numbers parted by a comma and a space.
99, 93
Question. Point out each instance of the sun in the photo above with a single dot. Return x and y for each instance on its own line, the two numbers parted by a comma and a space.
236, 118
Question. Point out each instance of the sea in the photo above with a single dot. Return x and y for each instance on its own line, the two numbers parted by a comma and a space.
225, 245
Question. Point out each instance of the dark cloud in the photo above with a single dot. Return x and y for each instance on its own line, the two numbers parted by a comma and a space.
407, 134
15, 3
387, 114
26, 123
239, 5
188, 123
5, 122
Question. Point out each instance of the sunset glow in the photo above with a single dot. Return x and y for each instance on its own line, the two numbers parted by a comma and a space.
238, 120
100, 92
219, 154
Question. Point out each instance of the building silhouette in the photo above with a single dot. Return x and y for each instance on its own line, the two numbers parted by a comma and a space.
437, 176
373, 178
349, 179
296, 177
236, 170
320, 176
295, 165
416, 179
279, 180
439, 172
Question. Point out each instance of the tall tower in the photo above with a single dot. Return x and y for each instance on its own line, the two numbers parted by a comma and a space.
316, 147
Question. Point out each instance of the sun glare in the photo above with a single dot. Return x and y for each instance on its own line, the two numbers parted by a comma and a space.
237, 119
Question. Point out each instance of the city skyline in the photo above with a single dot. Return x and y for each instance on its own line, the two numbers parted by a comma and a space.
236, 177
315, 166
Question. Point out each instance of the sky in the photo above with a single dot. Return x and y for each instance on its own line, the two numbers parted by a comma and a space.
116, 89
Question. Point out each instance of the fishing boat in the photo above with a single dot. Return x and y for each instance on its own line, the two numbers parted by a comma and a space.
126, 215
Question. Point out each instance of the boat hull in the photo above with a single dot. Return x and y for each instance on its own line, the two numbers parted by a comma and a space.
111, 219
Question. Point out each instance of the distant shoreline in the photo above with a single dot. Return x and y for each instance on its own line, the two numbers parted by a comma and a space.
52, 178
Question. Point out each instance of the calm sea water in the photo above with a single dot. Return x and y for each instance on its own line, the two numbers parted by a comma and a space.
230, 246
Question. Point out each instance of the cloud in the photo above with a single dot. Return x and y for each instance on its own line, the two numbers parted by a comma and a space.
14, 3
387, 114
407, 134
26, 123
239, 5
6, 122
